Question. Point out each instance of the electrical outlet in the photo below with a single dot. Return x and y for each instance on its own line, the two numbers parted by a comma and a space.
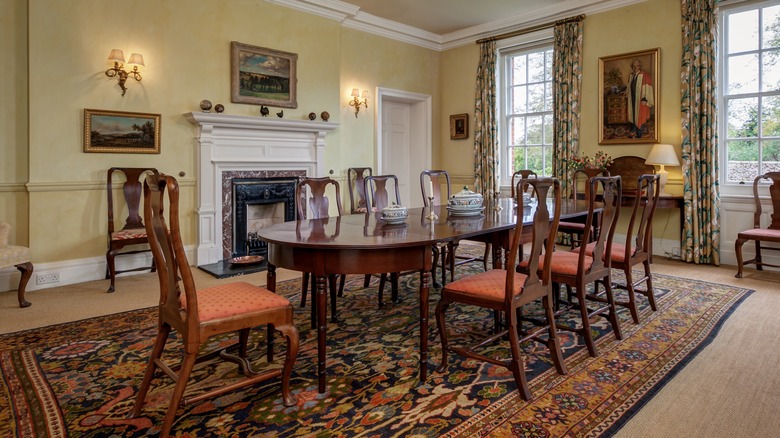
51, 277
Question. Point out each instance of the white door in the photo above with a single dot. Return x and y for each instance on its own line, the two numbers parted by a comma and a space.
404, 145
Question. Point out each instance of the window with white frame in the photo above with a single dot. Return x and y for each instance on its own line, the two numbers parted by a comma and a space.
750, 90
526, 116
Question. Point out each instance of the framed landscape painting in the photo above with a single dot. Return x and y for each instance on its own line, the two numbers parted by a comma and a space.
628, 101
262, 76
121, 132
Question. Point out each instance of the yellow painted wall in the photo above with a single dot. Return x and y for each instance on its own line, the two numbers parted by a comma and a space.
186, 46
13, 118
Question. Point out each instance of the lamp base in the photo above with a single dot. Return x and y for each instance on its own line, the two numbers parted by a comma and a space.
664, 177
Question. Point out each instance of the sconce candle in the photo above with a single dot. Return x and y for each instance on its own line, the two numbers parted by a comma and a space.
356, 101
118, 57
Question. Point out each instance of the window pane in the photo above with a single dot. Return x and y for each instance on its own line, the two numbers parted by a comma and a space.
536, 67
548, 99
535, 157
770, 75
771, 19
548, 65
743, 74
742, 162
770, 152
770, 116
517, 157
519, 69
548, 129
742, 116
548, 162
519, 100
536, 98
517, 131
743, 31
534, 130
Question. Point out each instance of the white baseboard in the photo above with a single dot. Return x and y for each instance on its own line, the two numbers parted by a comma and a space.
79, 270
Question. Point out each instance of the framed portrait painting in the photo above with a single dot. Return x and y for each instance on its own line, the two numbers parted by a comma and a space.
628, 101
459, 126
262, 76
121, 132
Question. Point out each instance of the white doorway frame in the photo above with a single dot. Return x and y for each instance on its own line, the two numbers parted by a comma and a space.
421, 130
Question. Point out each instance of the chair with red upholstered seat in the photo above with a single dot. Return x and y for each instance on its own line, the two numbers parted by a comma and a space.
311, 192
382, 191
199, 314
770, 234
577, 268
506, 291
575, 230
448, 249
133, 231
639, 236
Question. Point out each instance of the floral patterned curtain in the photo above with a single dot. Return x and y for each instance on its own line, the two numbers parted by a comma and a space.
486, 152
567, 82
701, 228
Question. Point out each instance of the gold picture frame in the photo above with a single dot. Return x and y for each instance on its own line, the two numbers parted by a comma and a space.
459, 126
121, 132
262, 76
628, 97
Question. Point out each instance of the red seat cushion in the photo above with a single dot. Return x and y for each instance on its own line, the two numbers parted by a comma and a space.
563, 263
132, 233
571, 226
618, 251
487, 285
760, 234
232, 299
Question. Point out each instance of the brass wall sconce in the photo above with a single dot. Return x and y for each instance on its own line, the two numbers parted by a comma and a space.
356, 102
118, 57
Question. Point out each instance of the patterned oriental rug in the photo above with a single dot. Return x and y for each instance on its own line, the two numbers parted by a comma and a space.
80, 379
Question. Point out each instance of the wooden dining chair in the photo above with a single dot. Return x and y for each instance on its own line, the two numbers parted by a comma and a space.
448, 250
312, 202
575, 230
758, 234
517, 176
18, 257
507, 291
133, 231
357, 189
639, 237
577, 268
381, 191
199, 314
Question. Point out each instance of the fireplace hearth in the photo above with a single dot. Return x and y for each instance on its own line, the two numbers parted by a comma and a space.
258, 203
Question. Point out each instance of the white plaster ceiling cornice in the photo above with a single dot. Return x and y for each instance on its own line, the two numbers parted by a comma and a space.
351, 16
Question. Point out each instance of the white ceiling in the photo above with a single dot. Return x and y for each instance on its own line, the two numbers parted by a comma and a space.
444, 24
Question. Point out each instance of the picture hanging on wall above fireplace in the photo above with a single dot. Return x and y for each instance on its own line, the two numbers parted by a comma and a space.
263, 76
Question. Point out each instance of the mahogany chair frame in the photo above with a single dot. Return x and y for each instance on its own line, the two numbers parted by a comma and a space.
184, 316
575, 230
378, 196
318, 208
133, 232
358, 201
521, 174
18, 257
577, 268
770, 234
506, 291
448, 250
639, 238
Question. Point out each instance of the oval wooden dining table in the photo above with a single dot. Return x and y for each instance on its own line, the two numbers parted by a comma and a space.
365, 244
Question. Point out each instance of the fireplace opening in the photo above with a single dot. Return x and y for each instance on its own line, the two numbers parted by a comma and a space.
258, 203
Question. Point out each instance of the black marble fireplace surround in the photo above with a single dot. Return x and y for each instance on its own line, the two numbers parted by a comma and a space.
258, 191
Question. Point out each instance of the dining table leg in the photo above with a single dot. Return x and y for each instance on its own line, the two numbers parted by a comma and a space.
424, 291
322, 327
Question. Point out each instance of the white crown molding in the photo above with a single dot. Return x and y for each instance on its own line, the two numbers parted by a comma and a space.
350, 16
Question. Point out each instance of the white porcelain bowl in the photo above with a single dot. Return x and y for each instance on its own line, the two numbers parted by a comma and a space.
395, 211
465, 199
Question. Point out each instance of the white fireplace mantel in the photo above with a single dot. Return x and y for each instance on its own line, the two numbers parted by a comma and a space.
245, 143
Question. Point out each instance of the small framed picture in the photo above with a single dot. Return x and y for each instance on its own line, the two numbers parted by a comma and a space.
262, 76
628, 97
459, 126
121, 132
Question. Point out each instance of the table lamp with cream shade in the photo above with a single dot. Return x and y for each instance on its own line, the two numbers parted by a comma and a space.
663, 155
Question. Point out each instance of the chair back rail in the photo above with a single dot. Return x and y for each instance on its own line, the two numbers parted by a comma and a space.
610, 188
437, 177
312, 192
357, 188
521, 174
377, 187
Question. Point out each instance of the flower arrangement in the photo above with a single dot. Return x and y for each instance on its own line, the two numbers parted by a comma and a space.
600, 160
